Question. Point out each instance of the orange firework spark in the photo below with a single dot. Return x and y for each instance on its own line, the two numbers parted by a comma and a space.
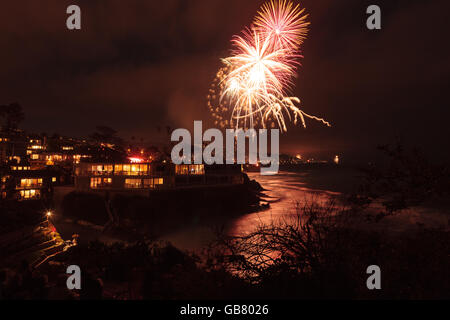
252, 87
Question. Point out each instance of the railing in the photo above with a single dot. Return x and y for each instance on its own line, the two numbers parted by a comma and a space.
131, 173
29, 187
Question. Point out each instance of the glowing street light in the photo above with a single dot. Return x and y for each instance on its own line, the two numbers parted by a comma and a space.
336, 160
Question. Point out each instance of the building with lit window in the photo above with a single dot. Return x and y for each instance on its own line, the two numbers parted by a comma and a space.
126, 176
65, 152
144, 177
13, 146
29, 184
44, 159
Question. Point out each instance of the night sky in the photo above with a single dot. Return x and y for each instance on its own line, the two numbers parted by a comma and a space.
137, 65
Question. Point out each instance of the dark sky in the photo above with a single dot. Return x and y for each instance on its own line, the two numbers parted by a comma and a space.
137, 64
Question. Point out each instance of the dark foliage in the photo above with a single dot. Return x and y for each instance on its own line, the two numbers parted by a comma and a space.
323, 254
12, 115
406, 179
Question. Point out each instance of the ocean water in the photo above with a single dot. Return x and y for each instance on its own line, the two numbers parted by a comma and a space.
282, 192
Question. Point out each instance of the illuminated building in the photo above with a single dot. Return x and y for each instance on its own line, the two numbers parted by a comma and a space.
28, 184
12, 147
27, 172
133, 177
121, 176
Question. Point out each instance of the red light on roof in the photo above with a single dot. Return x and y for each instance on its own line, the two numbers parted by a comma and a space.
136, 160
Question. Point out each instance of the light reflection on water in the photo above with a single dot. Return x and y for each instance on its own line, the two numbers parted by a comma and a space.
285, 190
282, 191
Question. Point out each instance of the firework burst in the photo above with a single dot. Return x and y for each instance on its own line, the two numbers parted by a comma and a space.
252, 88
285, 24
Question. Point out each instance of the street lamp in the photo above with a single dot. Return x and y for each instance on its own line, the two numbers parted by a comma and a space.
48, 214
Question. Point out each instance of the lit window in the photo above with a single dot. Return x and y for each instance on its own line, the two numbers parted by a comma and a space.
193, 169
197, 169
181, 169
138, 169
152, 183
133, 183
143, 169
30, 194
53, 179
100, 182
148, 183
26, 183
102, 170
95, 182
118, 168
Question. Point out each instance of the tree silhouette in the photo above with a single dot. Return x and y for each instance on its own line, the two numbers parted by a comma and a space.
106, 134
12, 115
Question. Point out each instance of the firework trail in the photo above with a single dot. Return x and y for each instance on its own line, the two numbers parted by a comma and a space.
252, 87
